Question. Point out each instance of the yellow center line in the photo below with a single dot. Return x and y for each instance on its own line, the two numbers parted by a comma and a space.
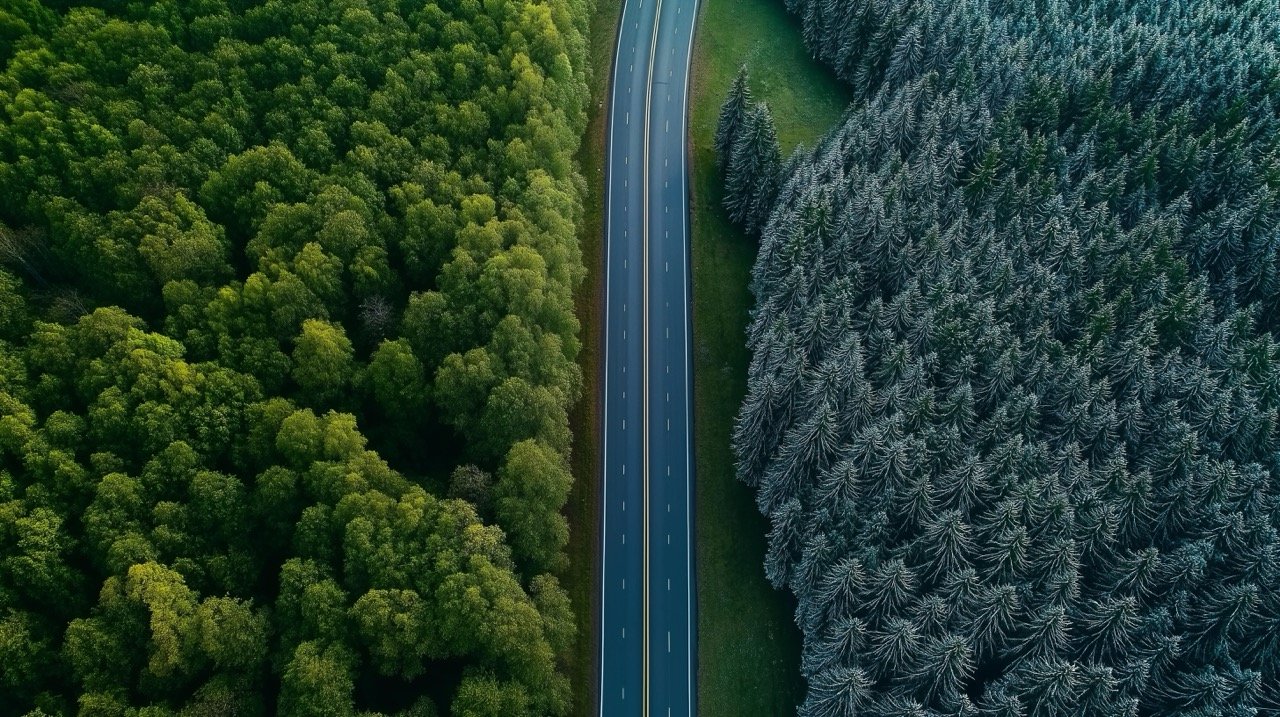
648, 96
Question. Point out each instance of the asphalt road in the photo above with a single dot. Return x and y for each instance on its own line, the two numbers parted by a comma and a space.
647, 642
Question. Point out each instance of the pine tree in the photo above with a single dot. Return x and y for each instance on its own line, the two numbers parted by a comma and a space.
837, 692
733, 116
1014, 387
751, 182
895, 647
945, 664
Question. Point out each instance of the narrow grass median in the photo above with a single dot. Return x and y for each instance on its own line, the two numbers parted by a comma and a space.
748, 645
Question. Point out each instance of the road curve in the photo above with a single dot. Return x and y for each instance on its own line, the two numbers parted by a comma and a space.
647, 624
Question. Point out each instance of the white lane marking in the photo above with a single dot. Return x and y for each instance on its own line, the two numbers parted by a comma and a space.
624, 509
624, 583
644, 427
604, 558
624, 334
668, 650
624, 538
688, 456
624, 424
668, 583
628, 117
668, 538
684, 178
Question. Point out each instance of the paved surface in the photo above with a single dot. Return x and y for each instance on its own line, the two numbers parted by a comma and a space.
647, 643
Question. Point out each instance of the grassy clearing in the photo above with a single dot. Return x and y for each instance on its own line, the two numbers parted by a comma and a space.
749, 648
584, 507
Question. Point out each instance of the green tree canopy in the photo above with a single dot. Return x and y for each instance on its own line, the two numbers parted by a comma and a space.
269, 270
322, 361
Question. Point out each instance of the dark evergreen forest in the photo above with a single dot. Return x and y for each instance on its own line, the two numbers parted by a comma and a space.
286, 349
1012, 406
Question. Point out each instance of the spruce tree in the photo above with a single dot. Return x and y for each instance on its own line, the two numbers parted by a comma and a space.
751, 183
1011, 409
733, 114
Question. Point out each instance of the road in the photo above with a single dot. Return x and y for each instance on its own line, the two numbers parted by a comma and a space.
647, 623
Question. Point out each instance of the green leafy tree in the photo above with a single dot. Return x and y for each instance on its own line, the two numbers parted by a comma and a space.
231, 633
178, 242
15, 317
27, 653
219, 222
516, 410
484, 695
390, 623
318, 681
171, 607
322, 362
532, 487
241, 192
397, 380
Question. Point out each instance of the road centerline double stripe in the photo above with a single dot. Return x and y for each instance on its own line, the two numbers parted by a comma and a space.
644, 279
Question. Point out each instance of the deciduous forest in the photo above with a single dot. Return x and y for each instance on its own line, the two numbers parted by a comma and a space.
286, 348
1012, 407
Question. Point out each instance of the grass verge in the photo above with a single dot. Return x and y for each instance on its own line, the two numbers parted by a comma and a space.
749, 647
583, 508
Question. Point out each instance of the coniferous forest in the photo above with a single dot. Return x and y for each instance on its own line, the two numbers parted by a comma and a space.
1012, 404
286, 349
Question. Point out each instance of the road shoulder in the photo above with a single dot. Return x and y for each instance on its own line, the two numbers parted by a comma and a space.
748, 646
583, 508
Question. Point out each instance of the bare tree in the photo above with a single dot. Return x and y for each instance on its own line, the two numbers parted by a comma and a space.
25, 250
376, 316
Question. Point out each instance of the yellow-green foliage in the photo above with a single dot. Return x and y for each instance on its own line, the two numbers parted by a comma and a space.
236, 237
